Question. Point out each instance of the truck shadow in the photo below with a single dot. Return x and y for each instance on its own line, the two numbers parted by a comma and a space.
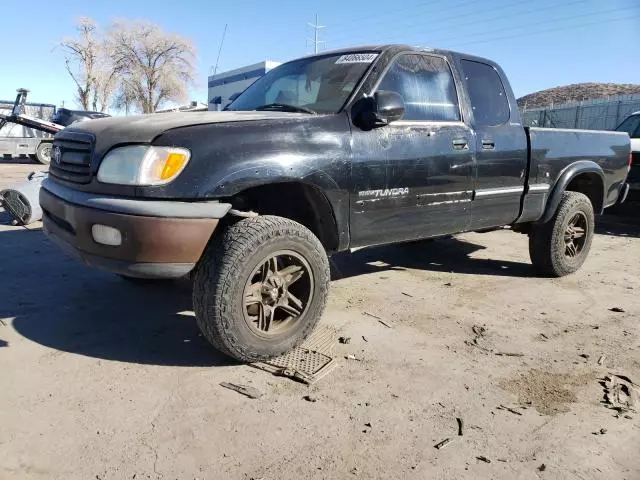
57, 302
618, 226
447, 254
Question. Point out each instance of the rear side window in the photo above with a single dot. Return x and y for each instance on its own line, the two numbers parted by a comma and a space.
426, 85
631, 125
488, 98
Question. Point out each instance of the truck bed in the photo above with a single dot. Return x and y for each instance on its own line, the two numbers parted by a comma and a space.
552, 150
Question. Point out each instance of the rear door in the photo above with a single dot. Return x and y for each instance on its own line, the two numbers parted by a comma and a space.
501, 146
412, 179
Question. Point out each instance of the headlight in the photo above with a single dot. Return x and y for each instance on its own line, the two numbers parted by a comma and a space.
143, 165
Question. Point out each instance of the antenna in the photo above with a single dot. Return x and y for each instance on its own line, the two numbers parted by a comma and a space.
315, 40
224, 34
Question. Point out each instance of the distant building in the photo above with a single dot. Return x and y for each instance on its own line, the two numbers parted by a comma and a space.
223, 86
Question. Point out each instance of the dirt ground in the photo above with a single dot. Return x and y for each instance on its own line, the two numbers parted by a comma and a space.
101, 379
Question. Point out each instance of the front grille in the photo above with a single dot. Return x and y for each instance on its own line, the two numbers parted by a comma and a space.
71, 157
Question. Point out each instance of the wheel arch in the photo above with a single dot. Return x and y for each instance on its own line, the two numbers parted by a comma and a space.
297, 200
584, 177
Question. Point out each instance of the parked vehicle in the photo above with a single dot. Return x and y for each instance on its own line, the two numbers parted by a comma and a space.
24, 130
17, 140
66, 117
334, 151
631, 125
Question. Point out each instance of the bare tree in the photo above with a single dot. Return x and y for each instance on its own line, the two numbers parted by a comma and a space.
154, 66
89, 63
80, 58
106, 83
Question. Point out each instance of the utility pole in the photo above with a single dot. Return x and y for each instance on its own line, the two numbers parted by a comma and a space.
315, 40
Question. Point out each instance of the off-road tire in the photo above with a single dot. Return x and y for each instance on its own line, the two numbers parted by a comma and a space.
223, 271
43, 152
546, 241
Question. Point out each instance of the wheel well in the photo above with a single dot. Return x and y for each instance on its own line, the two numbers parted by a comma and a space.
591, 185
301, 202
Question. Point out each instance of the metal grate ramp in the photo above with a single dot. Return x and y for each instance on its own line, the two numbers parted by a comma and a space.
307, 363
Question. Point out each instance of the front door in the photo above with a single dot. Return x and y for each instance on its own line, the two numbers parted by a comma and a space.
413, 178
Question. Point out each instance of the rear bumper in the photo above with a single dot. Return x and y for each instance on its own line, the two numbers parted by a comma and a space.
155, 242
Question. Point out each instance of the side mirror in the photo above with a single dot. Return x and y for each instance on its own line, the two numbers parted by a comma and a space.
385, 107
390, 106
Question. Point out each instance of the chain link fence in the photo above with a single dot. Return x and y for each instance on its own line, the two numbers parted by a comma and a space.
599, 114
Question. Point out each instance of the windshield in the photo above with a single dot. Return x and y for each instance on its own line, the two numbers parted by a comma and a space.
631, 125
320, 84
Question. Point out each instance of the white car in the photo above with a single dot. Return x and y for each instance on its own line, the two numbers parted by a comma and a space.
631, 125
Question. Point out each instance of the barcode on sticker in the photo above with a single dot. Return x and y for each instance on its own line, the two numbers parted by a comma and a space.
357, 58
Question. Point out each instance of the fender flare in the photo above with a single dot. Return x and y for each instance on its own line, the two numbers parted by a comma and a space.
568, 174
335, 199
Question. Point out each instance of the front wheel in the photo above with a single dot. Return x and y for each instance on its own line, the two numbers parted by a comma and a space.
260, 287
560, 246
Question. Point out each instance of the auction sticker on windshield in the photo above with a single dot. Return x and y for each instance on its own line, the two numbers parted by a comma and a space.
357, 58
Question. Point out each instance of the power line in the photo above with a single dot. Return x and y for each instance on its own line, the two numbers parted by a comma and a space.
544, 22
383, 15
548, 30
522, 26
315, 40
342, 33
460, 26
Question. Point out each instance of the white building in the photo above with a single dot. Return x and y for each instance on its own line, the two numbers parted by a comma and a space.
223, 86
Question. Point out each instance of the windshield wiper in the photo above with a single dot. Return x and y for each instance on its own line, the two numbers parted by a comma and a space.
286, 108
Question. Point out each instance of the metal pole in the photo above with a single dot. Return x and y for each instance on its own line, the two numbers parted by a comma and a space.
315, 41
224, 34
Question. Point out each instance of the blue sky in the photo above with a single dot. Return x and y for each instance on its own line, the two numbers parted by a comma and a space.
540, 44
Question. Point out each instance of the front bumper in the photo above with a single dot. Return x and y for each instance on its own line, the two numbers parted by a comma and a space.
160, 239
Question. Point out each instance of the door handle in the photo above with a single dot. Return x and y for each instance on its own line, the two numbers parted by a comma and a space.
460, 144
488, 145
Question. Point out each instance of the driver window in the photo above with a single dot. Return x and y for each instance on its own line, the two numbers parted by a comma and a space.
426, 85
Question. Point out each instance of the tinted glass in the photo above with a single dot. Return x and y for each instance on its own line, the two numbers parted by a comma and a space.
631, 125
426, 85
322, 83
488, 97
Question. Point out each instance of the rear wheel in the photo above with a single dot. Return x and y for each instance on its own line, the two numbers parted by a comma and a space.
560, 246
43, 153
260, 287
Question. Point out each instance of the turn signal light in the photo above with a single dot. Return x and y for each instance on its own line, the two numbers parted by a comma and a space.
173, 165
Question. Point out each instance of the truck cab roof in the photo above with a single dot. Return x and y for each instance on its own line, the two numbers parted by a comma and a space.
394, 48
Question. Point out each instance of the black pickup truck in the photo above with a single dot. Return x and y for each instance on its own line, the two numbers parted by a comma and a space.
330, 152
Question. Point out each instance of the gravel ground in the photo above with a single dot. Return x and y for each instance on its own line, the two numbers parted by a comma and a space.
107, 380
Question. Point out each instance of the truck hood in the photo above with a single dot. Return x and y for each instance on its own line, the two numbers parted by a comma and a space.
144, 128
